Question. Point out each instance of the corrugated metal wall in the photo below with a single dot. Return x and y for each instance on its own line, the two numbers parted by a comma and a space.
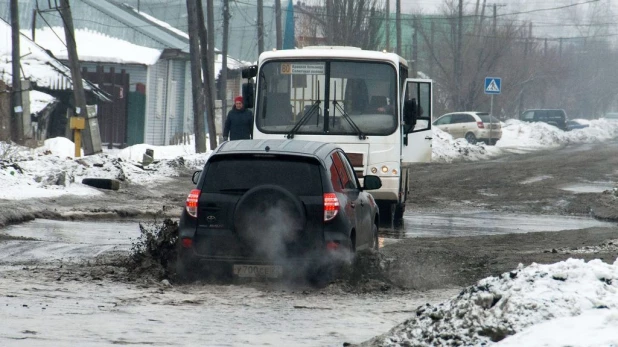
176, 101
166, 102
155, 120
187, 125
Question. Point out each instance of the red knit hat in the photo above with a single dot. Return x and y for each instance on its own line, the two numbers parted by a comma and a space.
238, 99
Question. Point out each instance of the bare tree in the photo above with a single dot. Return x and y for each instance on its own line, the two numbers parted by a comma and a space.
343, 22
460, 68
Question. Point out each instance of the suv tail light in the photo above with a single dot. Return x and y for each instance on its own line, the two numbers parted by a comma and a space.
191, 204
331, 206
480, 125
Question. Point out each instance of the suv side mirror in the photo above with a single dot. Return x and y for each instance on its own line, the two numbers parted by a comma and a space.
196, 176
371, 182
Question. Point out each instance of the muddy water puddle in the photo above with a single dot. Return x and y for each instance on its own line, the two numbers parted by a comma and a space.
481, 223
51, 240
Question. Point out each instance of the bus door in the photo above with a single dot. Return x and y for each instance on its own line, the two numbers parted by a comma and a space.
416, 103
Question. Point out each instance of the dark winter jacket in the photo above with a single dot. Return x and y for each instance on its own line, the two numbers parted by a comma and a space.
238, 125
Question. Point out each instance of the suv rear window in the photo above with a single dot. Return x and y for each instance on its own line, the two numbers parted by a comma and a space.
485, 118
301, 176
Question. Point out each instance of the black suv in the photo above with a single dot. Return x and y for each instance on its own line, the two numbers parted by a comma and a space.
267, 208
556, 118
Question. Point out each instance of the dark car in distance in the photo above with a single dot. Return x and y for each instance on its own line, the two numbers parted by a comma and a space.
555, 117
576, 124
268, 208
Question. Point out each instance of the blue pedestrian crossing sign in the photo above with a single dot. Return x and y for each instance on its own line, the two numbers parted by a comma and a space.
492, 85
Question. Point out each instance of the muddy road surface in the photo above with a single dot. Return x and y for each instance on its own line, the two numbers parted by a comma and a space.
117, 300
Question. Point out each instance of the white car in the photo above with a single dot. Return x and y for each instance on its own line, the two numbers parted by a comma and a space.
472, 126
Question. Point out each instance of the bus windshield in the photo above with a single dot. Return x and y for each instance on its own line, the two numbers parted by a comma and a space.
335, 97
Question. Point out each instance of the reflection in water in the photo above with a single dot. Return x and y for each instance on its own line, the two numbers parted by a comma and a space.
590, 187
482, 223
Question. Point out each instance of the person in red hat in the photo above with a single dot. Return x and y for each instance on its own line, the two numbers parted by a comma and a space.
239, 122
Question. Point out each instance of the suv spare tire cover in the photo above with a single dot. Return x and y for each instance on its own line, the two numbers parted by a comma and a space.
268, 217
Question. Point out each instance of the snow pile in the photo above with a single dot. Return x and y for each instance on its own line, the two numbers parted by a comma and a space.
447, 149
36, 64
526, 307
95, 46
51, 170
520, 137
39, 100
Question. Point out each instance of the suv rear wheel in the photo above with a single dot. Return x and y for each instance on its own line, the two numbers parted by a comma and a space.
271, 214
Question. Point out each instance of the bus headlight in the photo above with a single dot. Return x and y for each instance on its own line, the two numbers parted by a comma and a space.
395, 172
384, 169
374, 170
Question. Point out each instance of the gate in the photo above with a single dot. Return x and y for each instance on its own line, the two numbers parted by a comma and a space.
112, 115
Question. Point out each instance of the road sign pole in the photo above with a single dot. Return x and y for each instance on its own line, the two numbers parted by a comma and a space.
493, 85
491, 116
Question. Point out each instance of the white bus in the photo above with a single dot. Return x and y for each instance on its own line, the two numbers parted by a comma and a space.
361, 100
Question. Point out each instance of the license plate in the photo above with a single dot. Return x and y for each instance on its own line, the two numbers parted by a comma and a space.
258, 271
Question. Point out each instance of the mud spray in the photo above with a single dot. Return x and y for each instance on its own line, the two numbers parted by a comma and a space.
153, 256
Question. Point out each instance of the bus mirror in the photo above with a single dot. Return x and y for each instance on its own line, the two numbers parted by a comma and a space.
248, 94
249, 71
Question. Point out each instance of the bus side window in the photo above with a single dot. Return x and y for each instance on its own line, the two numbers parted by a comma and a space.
416, 107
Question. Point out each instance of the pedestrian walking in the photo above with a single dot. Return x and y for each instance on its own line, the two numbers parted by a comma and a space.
239, 122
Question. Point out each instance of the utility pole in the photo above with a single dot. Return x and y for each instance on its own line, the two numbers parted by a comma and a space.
17, 123
210, 20
388, 25
545, 48
207, 73
260, 26
432, 40
480, 28
415, 48
278, 24
33, 29
91, 134
495, 20
398, 24
224, 48
329, 20
196, 78
458, 57
528, 40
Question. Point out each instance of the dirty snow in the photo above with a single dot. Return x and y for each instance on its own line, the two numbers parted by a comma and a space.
52, 170
507, 309
520, 137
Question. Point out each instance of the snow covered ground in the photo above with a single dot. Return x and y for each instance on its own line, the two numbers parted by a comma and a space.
568, 303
